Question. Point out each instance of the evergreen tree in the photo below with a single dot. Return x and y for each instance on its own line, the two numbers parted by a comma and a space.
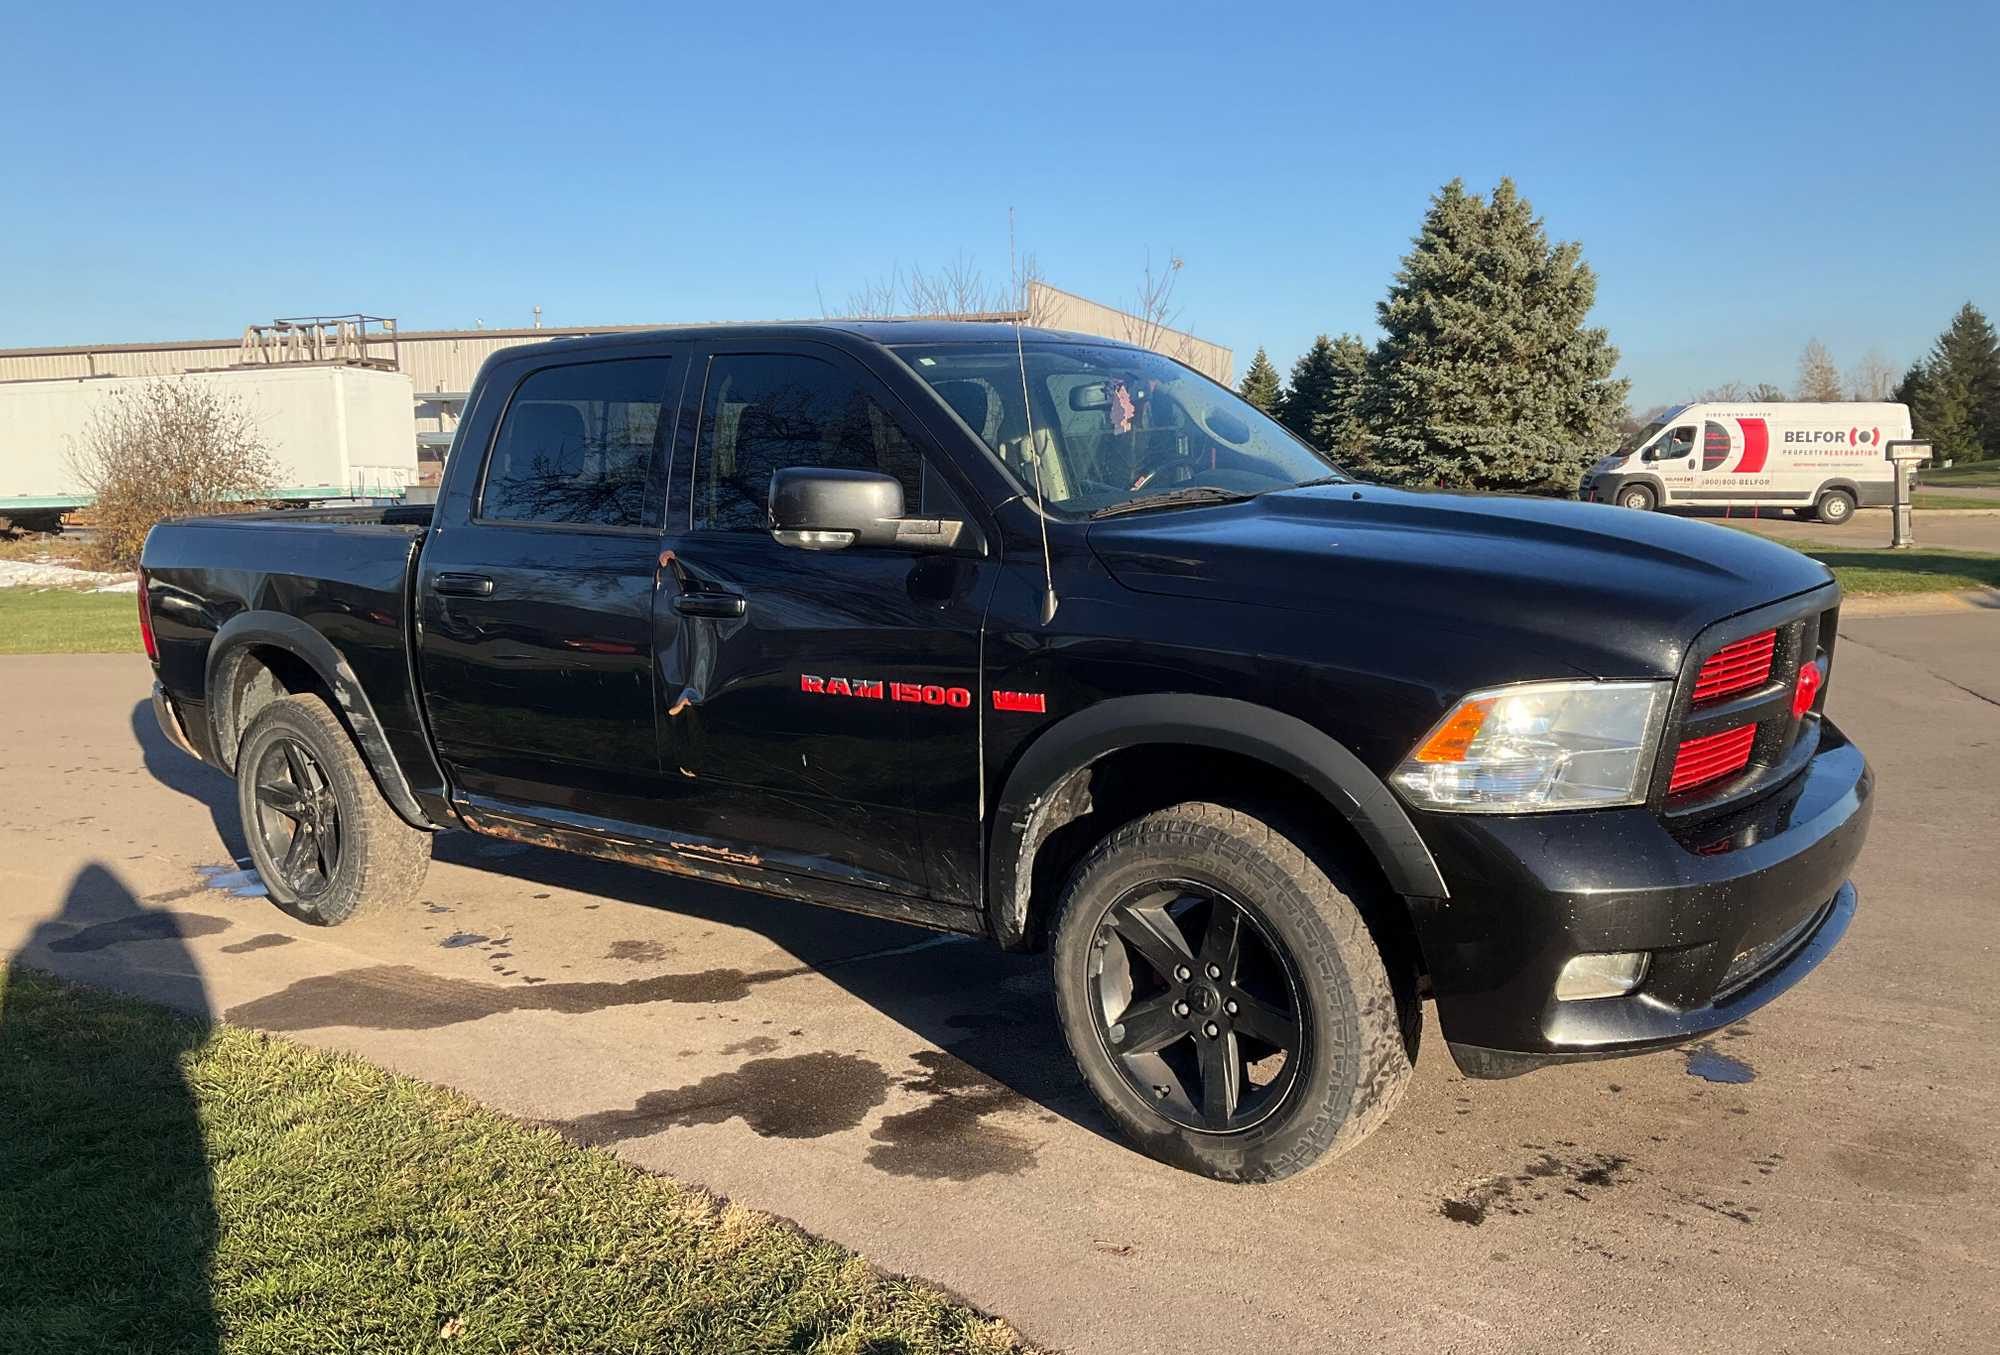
1486, 375
1909, 390
1260, 384
1957, 404
1322, 403
1819, 379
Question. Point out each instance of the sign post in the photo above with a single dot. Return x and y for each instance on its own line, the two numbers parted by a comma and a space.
1906, 454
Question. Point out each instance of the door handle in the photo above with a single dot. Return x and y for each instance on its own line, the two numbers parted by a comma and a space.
464, 585
722, 605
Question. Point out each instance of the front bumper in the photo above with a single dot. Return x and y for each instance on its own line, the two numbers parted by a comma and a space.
1733, 909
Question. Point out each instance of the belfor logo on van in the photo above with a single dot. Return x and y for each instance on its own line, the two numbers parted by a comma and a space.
1853, 437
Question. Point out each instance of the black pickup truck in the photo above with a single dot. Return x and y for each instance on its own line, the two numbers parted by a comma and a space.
1049, 639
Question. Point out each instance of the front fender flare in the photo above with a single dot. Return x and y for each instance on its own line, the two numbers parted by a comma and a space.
232, 646
1281, 741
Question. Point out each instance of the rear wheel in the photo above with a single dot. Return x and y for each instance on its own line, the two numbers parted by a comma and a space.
1834, 507
1223, 998
1638, 497
323, 839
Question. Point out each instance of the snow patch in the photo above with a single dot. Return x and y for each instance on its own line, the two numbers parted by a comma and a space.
48, 572
244, 884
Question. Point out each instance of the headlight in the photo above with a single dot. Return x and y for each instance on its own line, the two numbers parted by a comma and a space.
1539, 746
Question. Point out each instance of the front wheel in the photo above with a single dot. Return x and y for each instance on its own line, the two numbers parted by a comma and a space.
1223, 998
1637, 497
322, 837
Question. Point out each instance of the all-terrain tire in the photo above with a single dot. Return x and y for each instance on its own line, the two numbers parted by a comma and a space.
377, 859
1356, 1058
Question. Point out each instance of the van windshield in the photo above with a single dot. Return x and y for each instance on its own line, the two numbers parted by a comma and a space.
1645, 435
1113, 425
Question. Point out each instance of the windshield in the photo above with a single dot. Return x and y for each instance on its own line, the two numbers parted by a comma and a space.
1113, 425
1635, 441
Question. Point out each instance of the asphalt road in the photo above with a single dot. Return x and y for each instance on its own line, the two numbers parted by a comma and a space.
1870, 529
1820, 1177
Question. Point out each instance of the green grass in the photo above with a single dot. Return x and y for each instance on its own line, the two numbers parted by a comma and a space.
1925, 498
61, 621
165, 1186
1864, 572
1982, 473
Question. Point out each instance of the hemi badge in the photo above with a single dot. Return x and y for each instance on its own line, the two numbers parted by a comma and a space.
1033, 702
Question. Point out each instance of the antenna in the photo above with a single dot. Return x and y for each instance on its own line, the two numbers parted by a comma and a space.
1028, 410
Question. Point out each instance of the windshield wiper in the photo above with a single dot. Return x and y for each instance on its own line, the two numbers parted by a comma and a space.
1335, 479
1169, 498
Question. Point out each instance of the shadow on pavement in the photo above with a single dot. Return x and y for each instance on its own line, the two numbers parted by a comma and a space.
107, 1222
991, 1012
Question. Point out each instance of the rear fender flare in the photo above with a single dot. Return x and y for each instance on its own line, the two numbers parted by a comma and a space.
1281, 741
232, 648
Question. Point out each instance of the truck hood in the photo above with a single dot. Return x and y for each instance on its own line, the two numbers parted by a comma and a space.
1608, 591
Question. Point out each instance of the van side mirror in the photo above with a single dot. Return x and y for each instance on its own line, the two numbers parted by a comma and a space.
820, 508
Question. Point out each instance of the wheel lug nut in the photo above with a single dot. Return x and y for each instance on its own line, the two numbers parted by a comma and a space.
1180, 1009
1211, 1030
1118, 1034
1182, 973
1214, 972
1229, 1007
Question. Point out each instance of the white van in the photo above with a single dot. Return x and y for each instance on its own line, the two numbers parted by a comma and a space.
1824, 460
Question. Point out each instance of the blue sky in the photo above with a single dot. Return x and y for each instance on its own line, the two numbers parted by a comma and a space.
1742, 177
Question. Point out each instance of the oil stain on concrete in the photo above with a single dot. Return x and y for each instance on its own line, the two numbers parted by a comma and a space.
1544, 1177
807, 1096
141, 927
949, 1137
402, 997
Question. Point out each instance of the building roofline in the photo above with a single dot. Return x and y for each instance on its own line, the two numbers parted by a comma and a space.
174, 345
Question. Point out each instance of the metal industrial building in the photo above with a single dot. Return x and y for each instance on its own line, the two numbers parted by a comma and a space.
441, 363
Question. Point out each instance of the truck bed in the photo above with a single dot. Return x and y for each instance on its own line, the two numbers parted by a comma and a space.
342, 574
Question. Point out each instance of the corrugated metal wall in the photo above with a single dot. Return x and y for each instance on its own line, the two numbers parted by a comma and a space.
1053, 308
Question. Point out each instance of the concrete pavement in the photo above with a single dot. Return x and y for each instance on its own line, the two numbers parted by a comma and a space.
1821, 1176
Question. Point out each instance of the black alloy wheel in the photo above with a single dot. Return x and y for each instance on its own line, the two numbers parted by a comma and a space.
1198, 1005
298, 817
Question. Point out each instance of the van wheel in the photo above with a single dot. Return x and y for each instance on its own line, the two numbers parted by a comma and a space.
1637, 497
1834, 507
1223, 998
323, 839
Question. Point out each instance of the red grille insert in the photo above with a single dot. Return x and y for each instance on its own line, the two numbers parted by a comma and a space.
1713, 755
1737, 667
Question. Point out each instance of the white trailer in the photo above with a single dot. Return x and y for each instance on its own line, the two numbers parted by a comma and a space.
1821, 459
335, 432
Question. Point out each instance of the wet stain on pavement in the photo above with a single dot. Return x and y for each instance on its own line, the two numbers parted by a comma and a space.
947, 1137
263, 942
636, 952
1910, 1160
756, 1044
1543, 1178
1710, 1064
401, 997
141, 927
807, 1096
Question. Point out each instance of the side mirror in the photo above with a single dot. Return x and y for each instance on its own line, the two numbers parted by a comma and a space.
816, 508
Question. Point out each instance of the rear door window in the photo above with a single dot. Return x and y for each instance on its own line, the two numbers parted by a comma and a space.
581, 445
